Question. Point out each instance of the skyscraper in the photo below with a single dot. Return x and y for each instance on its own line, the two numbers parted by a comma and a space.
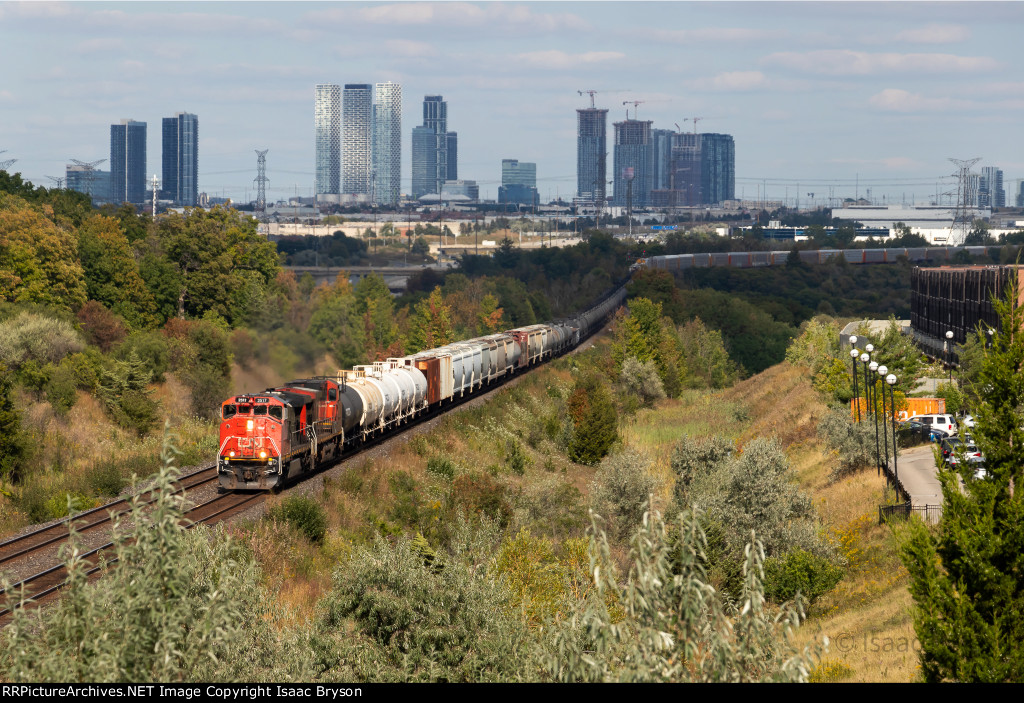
634, 161
518, 182
434, 149
718, 168
591, 153
327, 119
357, 139
662, 168
128, 162
181, 159
990, 191
387, 143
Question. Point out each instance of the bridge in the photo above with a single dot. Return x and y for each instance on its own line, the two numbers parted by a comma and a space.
396, 277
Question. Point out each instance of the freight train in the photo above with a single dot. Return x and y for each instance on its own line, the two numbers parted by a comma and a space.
280, 434
757, 259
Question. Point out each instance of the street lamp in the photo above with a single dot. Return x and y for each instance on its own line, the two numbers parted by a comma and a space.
864, 359
873, 366
891, 380
947, 349
991, 332
882, 371
854, 353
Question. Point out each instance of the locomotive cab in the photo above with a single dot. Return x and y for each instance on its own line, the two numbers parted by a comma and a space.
261, 436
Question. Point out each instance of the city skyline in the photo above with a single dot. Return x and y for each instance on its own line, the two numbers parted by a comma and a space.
830, 98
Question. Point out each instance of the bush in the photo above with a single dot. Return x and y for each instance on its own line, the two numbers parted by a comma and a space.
31, 337
479, 494
414, 623
515, 458
642, 380
622, 490
151, 348
852, 443
798, 571
441, 467
177, 605
696, 458
61, 388
102, 327
304, 514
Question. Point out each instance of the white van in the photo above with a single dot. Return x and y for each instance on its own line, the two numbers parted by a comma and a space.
946, 423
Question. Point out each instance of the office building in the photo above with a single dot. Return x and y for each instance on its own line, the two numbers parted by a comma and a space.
663, 140
327, 123
357, 139
460, 191
387, 143
518, 183
434, 149
181, 159
95, 184
990, 188
128, 162
1020, 194
634, 162
718, 168
591, 154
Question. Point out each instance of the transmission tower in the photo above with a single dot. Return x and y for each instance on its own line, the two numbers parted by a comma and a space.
261, 181
89, 167
4, 165
966, 196
58, 181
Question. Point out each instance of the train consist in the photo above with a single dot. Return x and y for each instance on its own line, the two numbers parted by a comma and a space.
755, 259
279, 434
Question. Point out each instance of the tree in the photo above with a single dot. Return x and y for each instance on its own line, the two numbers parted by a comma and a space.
430, 324
111, 273
595, 422
967, 579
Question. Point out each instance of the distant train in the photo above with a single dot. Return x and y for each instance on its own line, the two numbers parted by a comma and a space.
755, 259
281, 433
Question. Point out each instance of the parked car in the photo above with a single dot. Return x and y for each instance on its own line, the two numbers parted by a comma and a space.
949, 446
946, 423
967, 421
912, 433
969, 452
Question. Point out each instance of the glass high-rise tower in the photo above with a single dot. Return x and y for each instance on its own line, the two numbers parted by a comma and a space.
327, 119
181, 159
434, 149
128, 162
357, 139
387, 143
634, 162
591, 153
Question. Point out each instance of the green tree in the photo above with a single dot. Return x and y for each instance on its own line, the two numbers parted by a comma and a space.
638, 333
337, 324
595, 421
430, 324
111, 273
14, 446
376, 306
967, 579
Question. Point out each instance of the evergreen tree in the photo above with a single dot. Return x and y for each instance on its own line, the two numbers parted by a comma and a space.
430, 324
967, 579
595, 421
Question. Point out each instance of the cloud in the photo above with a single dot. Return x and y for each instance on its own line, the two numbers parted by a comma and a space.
712, 34
556, 59
843, 62
101, 45
897, 100
734, 81
409, 48
452, 14
935, 34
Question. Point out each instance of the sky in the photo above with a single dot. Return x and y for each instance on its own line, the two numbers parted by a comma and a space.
821, 97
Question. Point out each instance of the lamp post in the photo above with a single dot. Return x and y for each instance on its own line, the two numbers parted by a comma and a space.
891, 380
882, 371
991, 332
946, 348
870, 349
873, 366
854, 353
864, 359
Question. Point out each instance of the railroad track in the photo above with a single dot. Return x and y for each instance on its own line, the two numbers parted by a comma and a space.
44, 586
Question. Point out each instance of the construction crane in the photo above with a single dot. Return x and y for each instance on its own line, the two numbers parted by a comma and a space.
58, 181
591, 93
695, 120
635, 104
4, 165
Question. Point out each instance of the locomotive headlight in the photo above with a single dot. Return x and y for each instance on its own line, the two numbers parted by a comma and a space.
248, 425
263, 455
231, 453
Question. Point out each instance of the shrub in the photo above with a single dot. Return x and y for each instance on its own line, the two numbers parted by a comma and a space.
178, 605
406, 501
642, 380
594, 421
622, 490
414, 623
852, 443
554, 507
102, 327
479, 494
61, 388
515, 458
441, 467
31, 337
304, 514
668, 624
106, 478
151, 348
799, 571
696, 458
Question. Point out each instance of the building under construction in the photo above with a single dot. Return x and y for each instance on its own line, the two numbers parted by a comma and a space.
957, 300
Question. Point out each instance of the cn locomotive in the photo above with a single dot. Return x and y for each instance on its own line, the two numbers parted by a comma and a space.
280, 434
